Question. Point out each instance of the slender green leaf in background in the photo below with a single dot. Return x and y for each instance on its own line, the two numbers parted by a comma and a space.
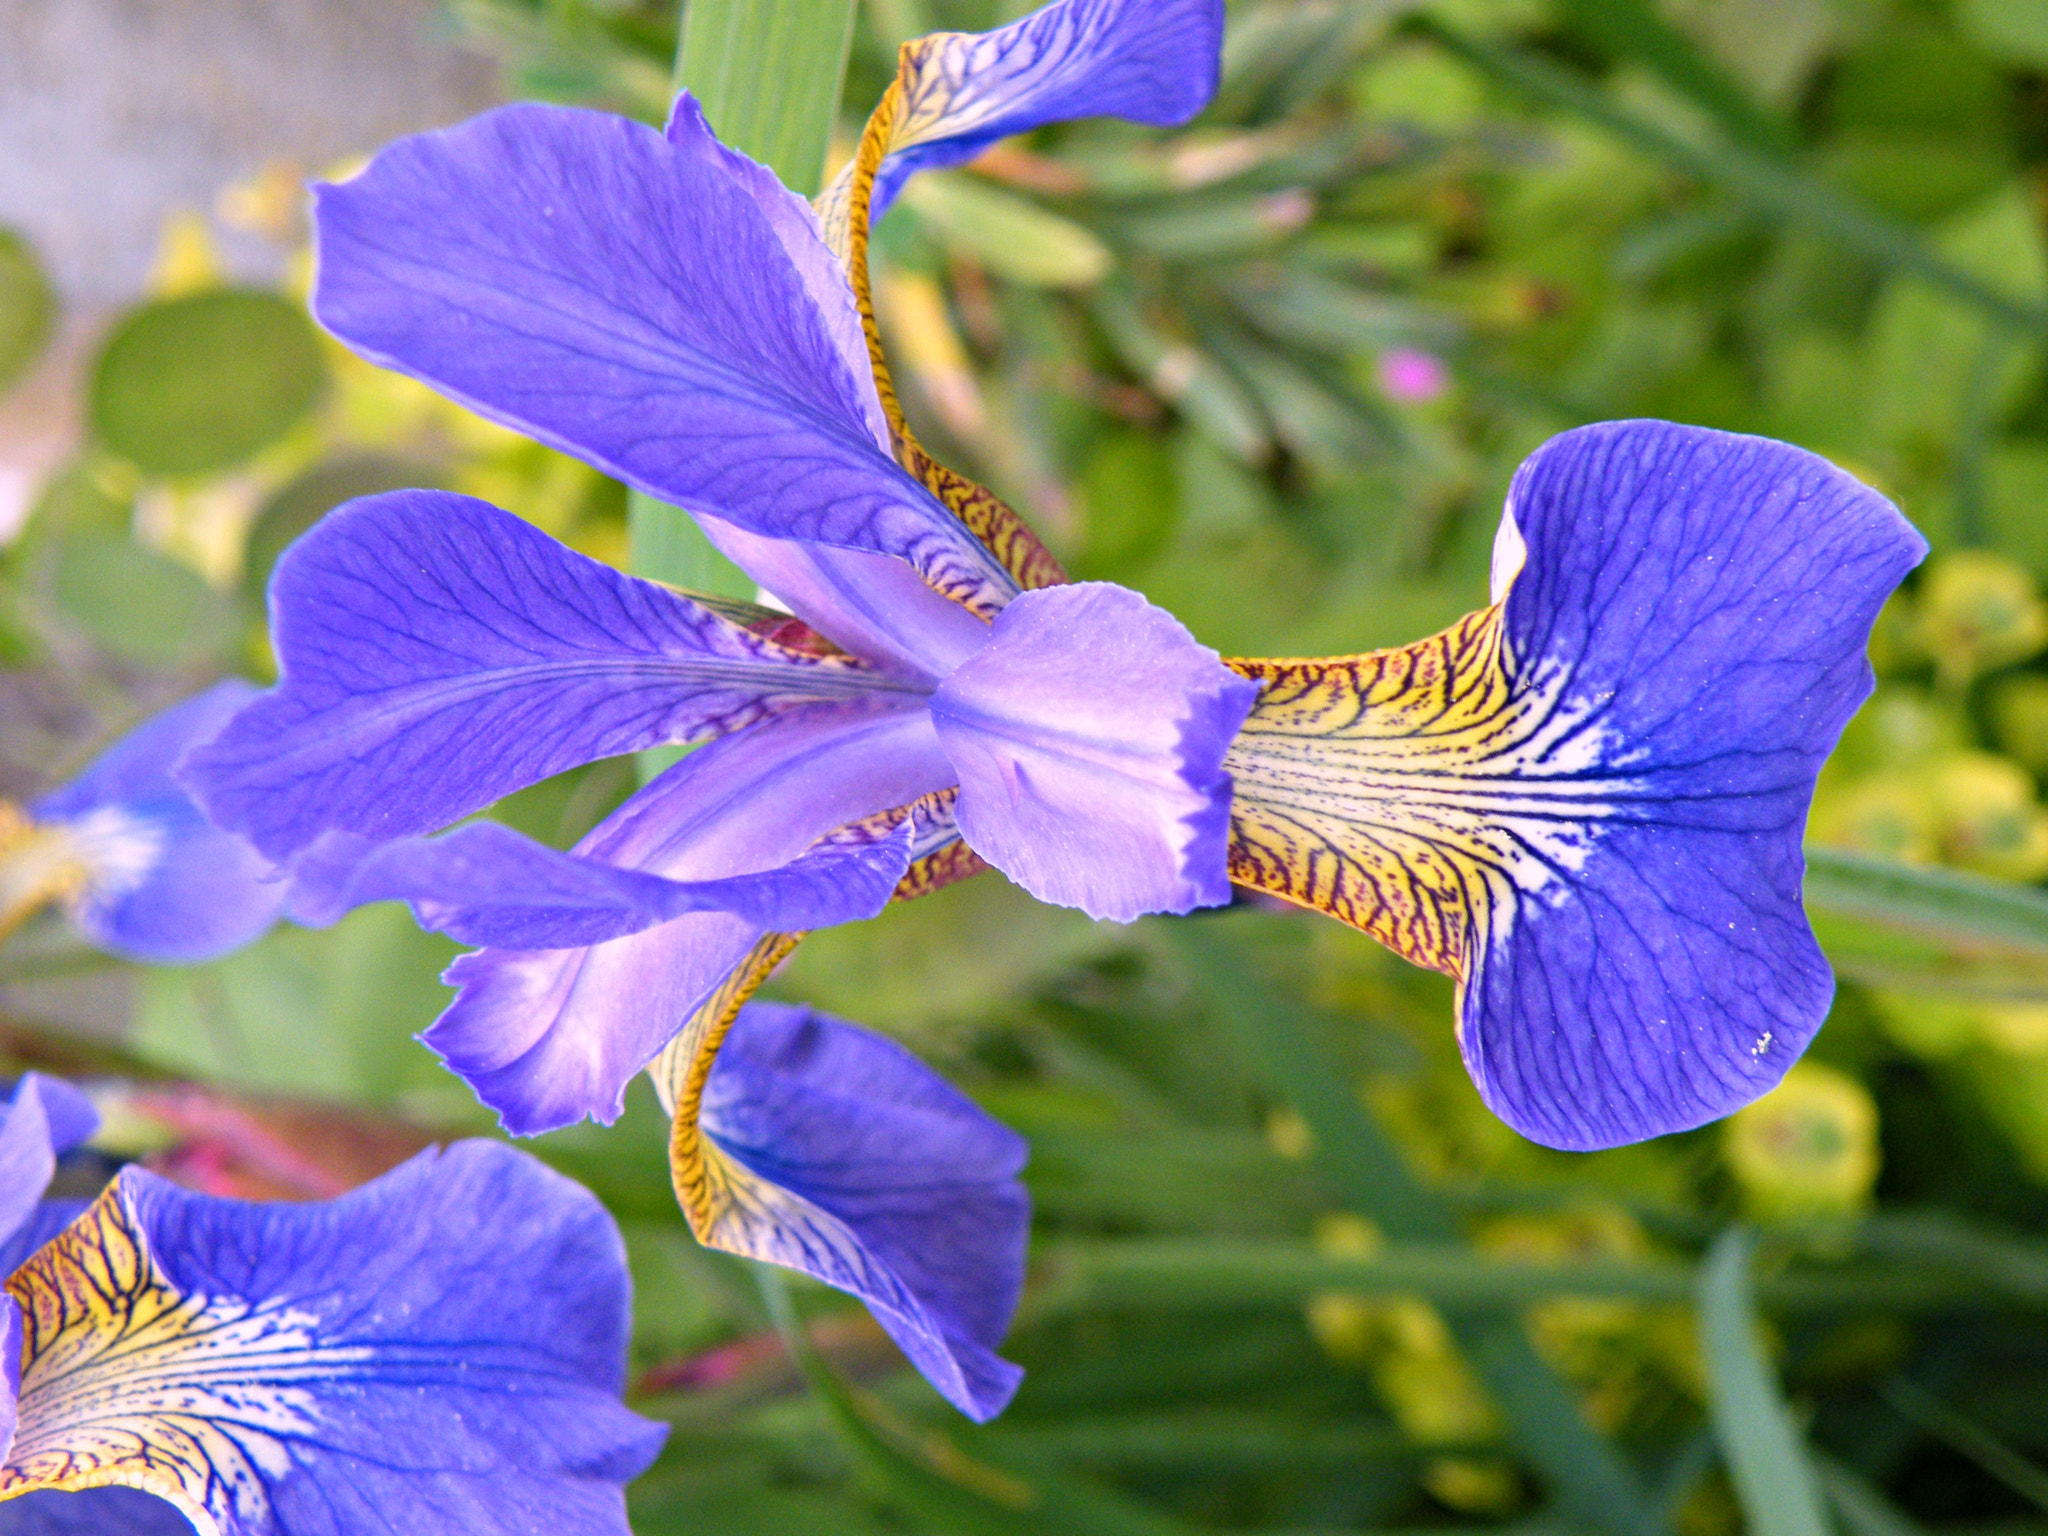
1590, 1476
1633, 30
1762, 1447
1863, 1510
1772, 187
925, 1473
202, 382
769, 74
1016, 238
1218, 1273
1939, 904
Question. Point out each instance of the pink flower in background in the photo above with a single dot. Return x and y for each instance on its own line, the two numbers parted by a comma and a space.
1412, 377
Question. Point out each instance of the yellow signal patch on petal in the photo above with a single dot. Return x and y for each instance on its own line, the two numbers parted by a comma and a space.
1420, 794
127, 1382
842, 210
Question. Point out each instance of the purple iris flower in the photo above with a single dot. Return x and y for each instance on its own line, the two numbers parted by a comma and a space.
140, 869
1584, 802
663, 308
440, 1352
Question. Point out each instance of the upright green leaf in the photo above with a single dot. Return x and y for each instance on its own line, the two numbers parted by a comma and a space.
1940, 904
1763, 1449
768, 74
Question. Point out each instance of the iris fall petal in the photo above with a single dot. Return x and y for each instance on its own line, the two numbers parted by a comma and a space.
546, 1037
837, 1153
1586, 802
154, 878
313, 1370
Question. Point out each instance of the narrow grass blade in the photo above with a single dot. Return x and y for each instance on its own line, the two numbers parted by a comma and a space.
1940, 904
1863, 1510
1589, 1475
923, 1472
1633, 30
1762, 1447
769, 74
1769, 185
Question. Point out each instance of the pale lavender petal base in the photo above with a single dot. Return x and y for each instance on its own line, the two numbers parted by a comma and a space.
547, 1037
1089, 738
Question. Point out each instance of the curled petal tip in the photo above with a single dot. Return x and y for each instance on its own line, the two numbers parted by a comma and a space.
821, 1146
1089, 737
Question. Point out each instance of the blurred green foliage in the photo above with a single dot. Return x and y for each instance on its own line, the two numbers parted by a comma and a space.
1274, 370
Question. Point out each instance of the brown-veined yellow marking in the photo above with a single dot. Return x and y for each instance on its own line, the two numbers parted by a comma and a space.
843, 215
1421, 794
709, 1187
126, 1381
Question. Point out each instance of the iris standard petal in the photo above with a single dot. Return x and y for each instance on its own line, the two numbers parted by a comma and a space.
795, 227
1152, 61
44, 1119
486, 884
317, 1370
1089, 738
437, 654
1586, 802
152, 878
848, 1159
547, 1037
620, 295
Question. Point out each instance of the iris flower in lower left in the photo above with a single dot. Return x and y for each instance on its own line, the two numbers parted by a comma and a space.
440, 1352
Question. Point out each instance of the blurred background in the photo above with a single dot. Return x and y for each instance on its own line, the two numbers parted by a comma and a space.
1273, 370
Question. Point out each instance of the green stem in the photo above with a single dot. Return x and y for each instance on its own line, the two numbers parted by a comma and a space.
768, 74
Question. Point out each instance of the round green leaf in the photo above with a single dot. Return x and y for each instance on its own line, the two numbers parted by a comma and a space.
28, 307
198, 383
141, 607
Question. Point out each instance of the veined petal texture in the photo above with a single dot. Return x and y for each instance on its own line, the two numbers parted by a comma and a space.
155, 879
621, 295
320, 1370
486, 884
839, 1154
437, 654
45, 1119
546, 1037
1089, 737
1586, 802
1152, 61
